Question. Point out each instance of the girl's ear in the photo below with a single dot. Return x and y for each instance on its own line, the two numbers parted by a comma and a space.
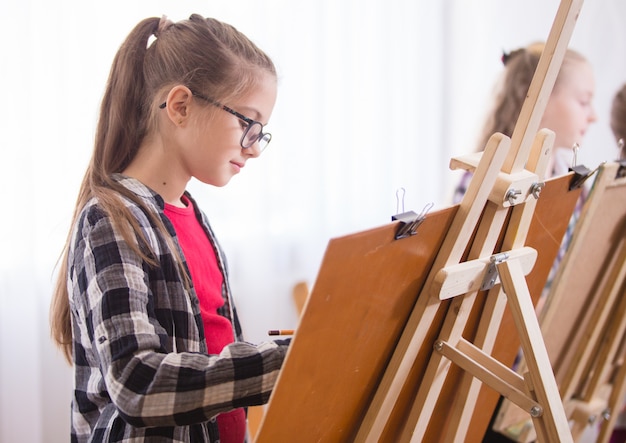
178, 101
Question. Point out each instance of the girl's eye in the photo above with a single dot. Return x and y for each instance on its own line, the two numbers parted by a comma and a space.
243, 124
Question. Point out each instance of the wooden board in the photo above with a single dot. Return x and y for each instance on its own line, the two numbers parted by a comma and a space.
367, 284
583, 271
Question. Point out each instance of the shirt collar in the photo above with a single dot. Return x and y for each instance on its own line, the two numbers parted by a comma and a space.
139, 189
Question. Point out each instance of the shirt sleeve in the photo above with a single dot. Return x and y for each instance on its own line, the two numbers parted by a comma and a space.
149, 384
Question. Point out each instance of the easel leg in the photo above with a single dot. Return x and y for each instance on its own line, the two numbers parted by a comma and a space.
615, 404
427, 308
553, 419
469, 387
452, 330
436, 372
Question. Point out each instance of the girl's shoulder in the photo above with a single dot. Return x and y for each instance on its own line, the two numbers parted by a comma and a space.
130, 209
132, 195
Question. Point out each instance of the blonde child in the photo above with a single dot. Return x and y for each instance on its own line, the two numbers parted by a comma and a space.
569, 110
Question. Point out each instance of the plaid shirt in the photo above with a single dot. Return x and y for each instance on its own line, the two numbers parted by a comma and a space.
142, 372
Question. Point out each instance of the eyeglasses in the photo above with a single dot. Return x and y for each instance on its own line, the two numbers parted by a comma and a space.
252, 133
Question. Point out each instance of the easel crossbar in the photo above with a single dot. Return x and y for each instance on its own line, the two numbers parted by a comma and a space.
491, 372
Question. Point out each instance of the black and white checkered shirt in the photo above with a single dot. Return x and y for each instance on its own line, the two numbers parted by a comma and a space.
142, 372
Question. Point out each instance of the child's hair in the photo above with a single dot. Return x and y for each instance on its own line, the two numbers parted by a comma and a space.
618, 119
209, 57
511, 90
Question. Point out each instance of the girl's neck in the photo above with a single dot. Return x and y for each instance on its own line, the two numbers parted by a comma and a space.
153, 167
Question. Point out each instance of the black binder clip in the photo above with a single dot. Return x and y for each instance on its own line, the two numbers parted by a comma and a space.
621, 171
409, 222
581, 174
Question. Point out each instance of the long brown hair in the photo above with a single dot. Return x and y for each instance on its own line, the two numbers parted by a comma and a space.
512, 88
618, 119
203, 54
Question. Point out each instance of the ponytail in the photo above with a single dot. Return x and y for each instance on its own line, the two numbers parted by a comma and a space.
120, 129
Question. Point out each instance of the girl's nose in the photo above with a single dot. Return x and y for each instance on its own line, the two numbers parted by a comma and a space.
253, 151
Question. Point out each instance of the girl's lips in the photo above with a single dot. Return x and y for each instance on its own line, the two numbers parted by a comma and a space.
237, 166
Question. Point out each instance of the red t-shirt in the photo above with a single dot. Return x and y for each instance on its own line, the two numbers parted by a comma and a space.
207, 280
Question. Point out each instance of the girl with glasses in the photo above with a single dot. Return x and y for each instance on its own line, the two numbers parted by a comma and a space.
142, 308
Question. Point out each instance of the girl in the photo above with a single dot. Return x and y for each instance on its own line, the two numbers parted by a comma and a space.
142, 306
569, 110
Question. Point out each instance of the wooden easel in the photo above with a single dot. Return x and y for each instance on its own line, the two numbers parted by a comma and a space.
584, 320
377, 378
538, 392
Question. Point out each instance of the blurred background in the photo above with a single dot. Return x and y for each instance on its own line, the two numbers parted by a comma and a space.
374, 97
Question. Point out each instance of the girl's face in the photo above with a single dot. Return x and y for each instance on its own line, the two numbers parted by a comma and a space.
569, 111
211, 150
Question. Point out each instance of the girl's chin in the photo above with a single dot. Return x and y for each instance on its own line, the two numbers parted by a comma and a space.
218, 183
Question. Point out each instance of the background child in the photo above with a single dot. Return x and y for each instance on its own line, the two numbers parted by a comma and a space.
142, 307
569, 110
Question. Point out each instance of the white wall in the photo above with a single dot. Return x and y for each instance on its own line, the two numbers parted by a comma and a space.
374, 96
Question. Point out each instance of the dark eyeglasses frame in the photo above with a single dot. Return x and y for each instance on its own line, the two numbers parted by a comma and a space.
265, 137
